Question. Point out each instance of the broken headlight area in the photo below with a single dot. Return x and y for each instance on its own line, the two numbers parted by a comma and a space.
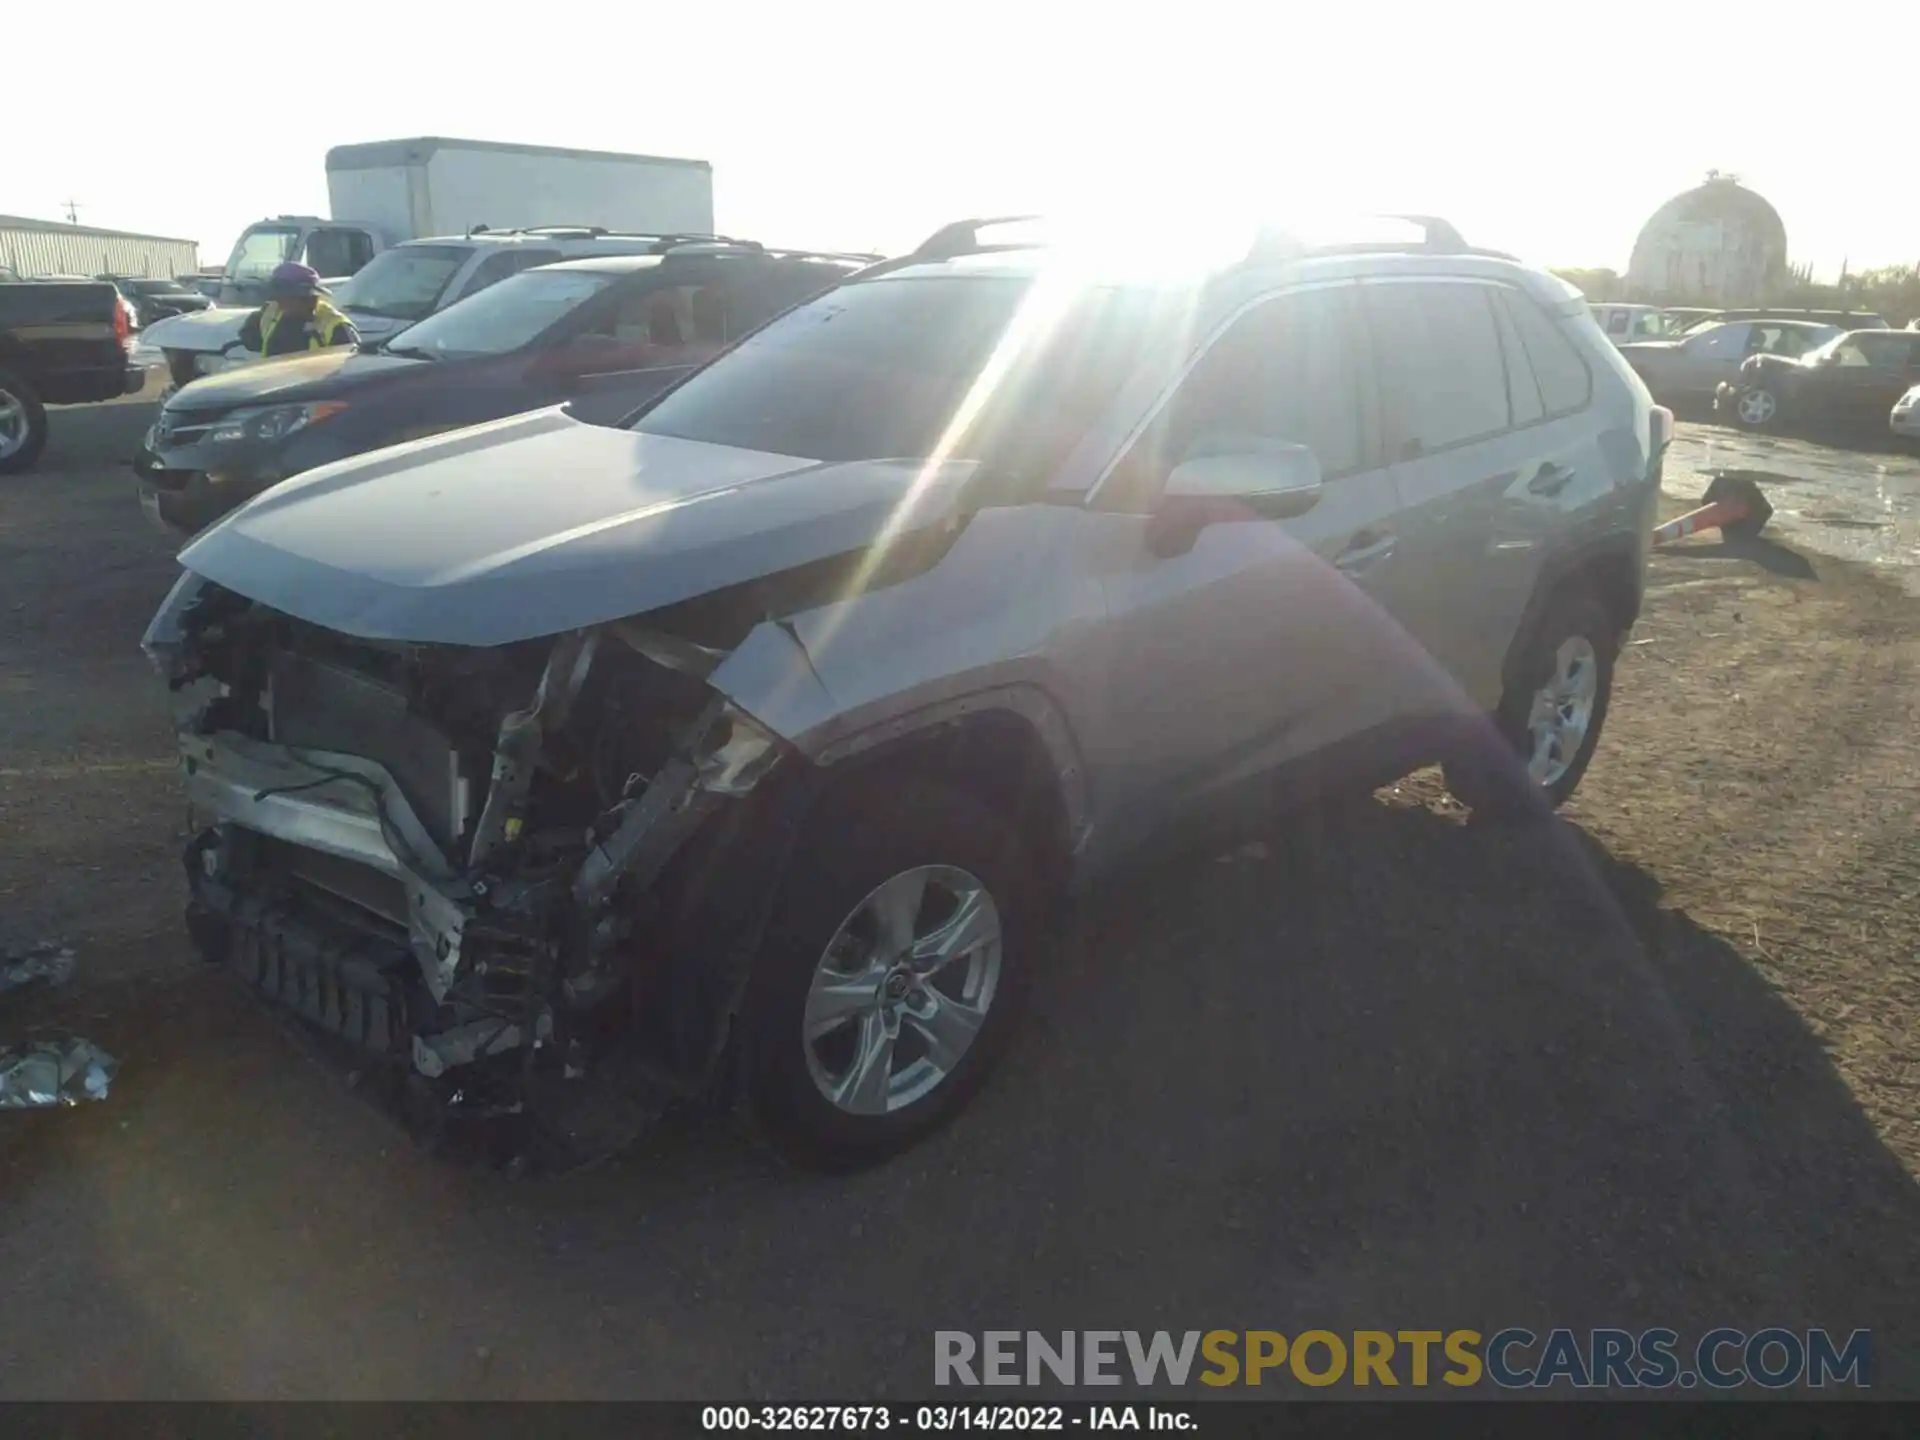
453, 860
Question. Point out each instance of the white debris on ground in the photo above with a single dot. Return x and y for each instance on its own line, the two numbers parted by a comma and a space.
58, 1071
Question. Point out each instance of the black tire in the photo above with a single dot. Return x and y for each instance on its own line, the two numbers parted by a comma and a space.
1492, 777
16, 390
855, 842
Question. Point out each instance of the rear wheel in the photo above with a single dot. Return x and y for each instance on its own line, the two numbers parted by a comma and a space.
23, 424
894, 969
1549, 720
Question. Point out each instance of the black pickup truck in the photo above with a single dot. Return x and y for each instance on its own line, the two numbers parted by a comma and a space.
60, 344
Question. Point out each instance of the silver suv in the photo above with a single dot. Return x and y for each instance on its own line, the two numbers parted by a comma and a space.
572, 768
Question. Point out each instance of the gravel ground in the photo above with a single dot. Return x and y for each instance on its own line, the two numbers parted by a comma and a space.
1397, 1072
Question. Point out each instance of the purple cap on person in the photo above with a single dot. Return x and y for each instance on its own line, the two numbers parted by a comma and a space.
293, 279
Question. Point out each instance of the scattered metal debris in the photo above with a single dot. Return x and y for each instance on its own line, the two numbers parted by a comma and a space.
54, 1072
47, 961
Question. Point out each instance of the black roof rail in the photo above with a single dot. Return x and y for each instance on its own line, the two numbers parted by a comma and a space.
662, 244
856, 256
1439, 237
962, 237
949, 242
718, 245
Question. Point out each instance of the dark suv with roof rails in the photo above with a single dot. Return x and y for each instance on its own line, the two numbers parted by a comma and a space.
599, 335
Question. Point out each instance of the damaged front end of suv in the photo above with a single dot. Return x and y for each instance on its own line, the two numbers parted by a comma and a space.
475, 867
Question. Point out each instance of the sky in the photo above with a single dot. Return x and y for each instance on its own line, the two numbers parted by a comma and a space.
1549, 130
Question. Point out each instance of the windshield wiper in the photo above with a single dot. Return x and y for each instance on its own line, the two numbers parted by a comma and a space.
407, 352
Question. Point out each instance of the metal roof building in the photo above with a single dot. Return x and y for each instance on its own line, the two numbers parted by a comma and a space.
50, 247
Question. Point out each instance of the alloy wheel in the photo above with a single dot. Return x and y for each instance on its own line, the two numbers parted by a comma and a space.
902, 989
1562, 711
14, 426
1757, 407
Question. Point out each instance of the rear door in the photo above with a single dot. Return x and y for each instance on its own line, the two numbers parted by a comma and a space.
1481, 468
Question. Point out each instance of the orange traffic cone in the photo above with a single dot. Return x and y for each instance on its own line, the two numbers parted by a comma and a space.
1735, 507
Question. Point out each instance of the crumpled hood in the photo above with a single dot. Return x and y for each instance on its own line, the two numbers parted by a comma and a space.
536, 524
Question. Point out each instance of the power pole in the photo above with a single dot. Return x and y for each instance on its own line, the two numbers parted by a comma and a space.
73, 212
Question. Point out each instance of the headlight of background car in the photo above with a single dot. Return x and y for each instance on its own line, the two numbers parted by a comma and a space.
273, 422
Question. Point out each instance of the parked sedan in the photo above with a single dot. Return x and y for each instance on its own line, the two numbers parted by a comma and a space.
599, 335
1694, 368
1852, 380
1905, 419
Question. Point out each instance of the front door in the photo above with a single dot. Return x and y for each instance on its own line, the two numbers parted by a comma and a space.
1262, 642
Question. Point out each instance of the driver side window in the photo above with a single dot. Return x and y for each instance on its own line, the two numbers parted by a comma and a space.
1284, 371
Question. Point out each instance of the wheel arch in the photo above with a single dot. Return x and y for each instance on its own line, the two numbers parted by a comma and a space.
1609, 569
1011, 747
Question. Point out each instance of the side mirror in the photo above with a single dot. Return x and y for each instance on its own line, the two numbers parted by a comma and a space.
1226, 479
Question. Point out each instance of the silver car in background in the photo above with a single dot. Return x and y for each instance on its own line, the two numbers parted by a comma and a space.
1905, 418
567, 771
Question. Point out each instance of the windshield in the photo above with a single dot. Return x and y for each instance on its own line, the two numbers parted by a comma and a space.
506, 316
406, 282
262, 249
881, 370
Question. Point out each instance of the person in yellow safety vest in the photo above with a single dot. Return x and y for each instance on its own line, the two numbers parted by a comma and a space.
297, 318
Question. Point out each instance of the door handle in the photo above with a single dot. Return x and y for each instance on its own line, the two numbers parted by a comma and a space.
1364, 551
1550, 479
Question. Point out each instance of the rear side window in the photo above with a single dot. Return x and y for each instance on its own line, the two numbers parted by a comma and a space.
501, 264
1442, 380
1523, 391
1566, 385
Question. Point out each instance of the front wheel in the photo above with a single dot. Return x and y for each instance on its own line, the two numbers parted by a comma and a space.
1756, 409
1549, 720
23, 424
895, 966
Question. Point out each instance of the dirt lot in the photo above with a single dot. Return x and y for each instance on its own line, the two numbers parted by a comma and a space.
1659, 1069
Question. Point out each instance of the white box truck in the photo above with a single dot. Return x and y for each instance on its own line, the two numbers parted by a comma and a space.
415, 188
392, 190
388, 192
